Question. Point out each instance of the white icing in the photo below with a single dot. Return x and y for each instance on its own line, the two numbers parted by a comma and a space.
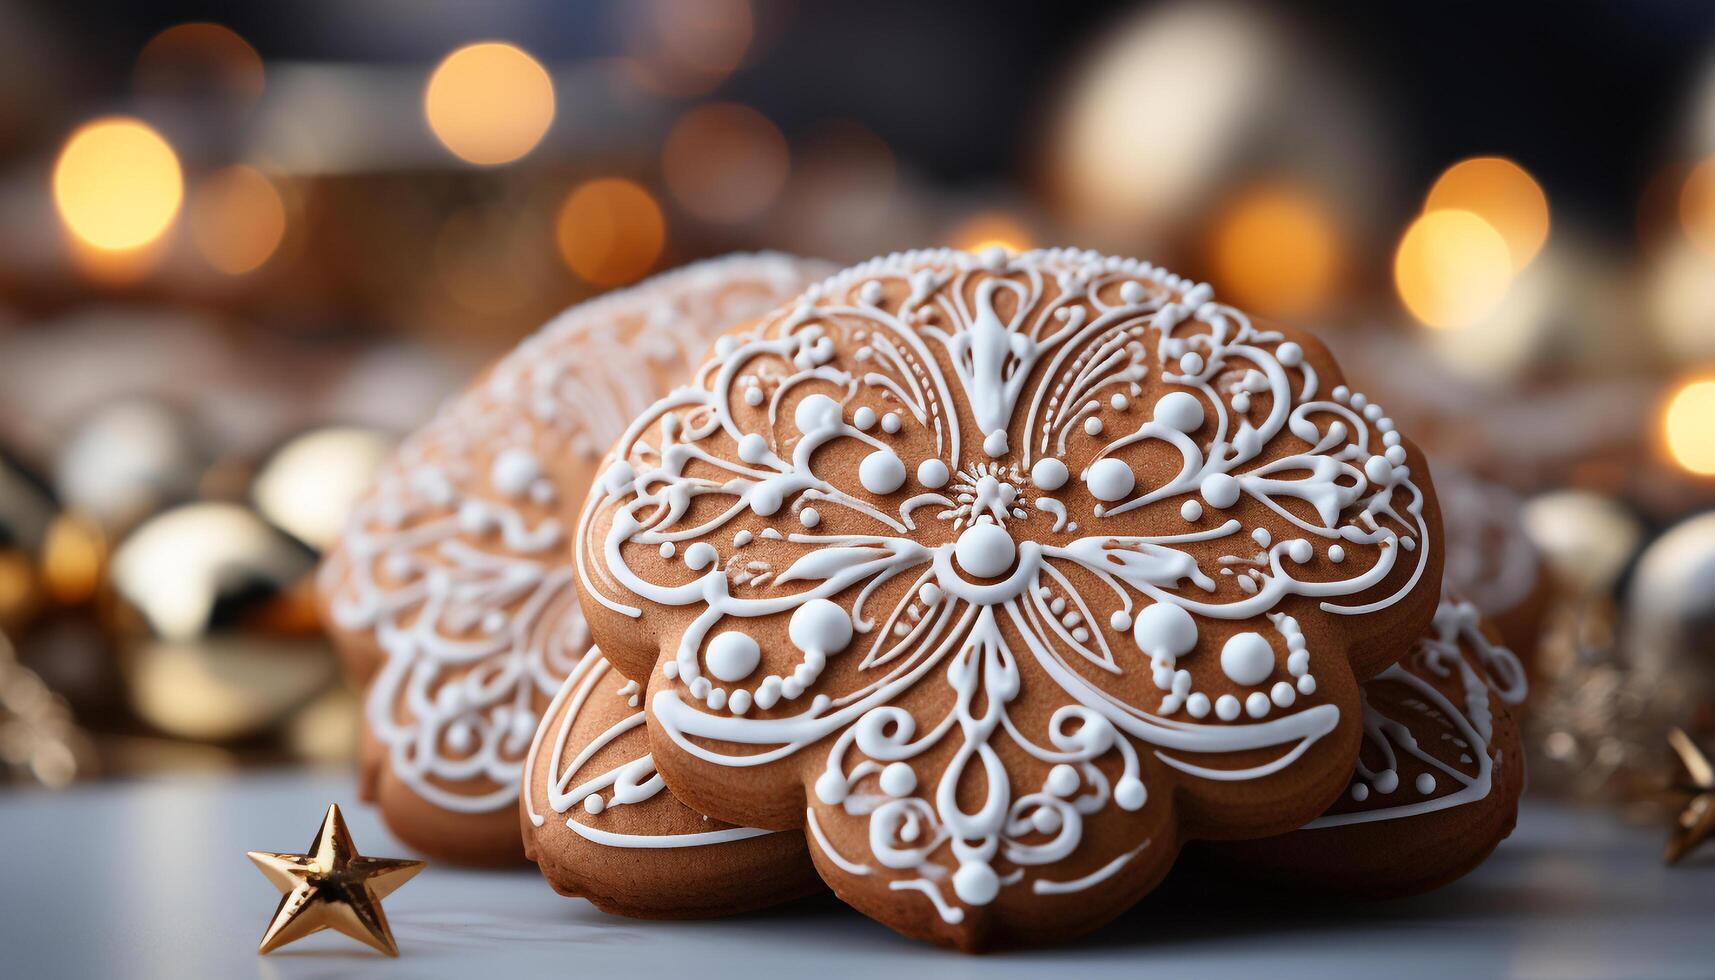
998, 533
733, 656
1247, 659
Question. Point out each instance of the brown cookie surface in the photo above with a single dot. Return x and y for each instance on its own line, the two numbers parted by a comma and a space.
1491, 561
1438, 779
601, 824
450, 591
1003, 575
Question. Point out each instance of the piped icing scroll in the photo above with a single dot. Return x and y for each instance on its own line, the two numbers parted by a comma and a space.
1002, 574
452, 585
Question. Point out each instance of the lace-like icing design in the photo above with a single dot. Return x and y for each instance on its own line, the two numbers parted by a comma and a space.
1490, 559
972, 493
458, 561
1436, 714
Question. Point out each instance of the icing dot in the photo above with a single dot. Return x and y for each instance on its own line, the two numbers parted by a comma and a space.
717, 699
898, 779
1045, 819
1062, 780
670, 669
753, 396
995, 445
739, 703
933, 474
1261, 537
1226, 707
864, 418
765, 499
473, 517
1282, 694
752, 448
1191, 510
1307, 685
1198, 705
1165, 630
1120, 620
1048, 474
816, 413
809, 517
1110, 479
1299, 550
1257, 704
1179, 410
985, 550
1119, 402
890, 422
1387, 781
1425, 783
1336, 554
1247, 659
930, 594
881, 472
742, 538
831, 788
1132, 292
700, 556
1191, 363
1220, 490
975, 883
1360, 792
733, 656
1130, 793
1289, 354
593, 803
1093, 426
618, 478
513, 472
1378, 469
820, 625
668, 549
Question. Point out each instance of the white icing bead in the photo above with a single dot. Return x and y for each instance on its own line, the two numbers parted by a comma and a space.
1191, 363
1247, 659
513, 471
733, 656
1190, 511
1386, 781
995, 445
898, 779
1164, 630
985, 550
668, 549
1120, 620
1307, 685
1282, 694
1425, 783
864, 418
881, 472
809, 517
1045, 820
1198, 705
975, 883
933, 474
1227, 707
1360, 792
890, 423
752, 448
700, 556
1119, 402
1256, 705
1336, 554
1289, 354
820, 625
1378, 469
1179, 410
1093, 426
1062, 780
594, 804
830, 786
816, 413
1110, 479
1130, 793
753, 396
1048, 473
1220, 490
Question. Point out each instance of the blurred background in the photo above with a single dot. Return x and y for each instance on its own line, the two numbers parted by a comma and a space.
244, 248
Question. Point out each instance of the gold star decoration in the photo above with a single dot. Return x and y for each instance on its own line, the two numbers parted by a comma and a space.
1696, 823
332, 887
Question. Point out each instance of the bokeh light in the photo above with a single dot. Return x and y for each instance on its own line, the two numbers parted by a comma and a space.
237, 219
117, 184
1278, 250
1697, 206
709, 36
991, 229
200, 59
489, 103
610, 231
1689, 426
1452, 269
1501, 193
725, 162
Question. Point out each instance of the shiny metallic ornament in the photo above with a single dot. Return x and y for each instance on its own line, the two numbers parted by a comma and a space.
1586, 538
1669, 632
310, 484
127, 461
332, 887
218, 637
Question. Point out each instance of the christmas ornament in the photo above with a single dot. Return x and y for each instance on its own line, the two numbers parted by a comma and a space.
128, 460
309, 485
1586, 538
218, 638
332, 887
1696, 776
1669, 634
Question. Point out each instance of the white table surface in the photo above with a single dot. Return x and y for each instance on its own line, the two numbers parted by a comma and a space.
148, 879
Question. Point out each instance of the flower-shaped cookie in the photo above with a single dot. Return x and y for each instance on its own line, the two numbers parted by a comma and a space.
1438, 779
1003, 575
451, 586
601, 824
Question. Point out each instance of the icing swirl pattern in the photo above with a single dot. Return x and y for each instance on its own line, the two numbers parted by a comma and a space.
1018, 567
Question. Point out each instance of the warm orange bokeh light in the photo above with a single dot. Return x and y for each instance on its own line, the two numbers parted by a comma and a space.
991, 229
725, 162
709, 36
117, 184
1452, 269
1697, 206
198, 58
237, 219
489, 103
1501, 193
610, 231
1689, 426
1277, 250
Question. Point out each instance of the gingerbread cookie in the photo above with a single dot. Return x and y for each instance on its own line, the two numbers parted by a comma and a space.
1001, 576
1491, 561
600, 823
1438, 779
451, 587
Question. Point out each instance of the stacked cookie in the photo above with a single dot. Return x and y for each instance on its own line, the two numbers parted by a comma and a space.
973, 586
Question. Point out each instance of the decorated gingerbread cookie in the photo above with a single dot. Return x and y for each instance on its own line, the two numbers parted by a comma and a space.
1491, 561
451, 587
1437, 782
1002, 576
602, 826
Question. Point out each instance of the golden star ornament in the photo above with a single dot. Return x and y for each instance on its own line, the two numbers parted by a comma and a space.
332, 887
1696, 823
